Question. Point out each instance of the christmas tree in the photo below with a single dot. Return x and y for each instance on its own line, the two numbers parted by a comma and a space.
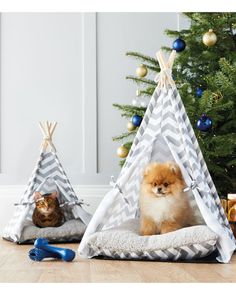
205, 75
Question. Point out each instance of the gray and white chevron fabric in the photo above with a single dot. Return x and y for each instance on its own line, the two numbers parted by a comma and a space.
172, 254
47, 176
165, 134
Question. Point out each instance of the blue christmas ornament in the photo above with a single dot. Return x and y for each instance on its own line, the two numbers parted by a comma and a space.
199, 92
136, 120
179, 45
204, 123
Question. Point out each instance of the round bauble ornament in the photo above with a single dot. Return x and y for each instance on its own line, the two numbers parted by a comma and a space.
209, 38
141, 71
204, 123
179, 45
122, 152
199, 92
136, 120
130, 126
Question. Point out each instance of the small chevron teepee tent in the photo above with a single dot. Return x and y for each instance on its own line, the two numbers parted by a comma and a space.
47, 177
165, 134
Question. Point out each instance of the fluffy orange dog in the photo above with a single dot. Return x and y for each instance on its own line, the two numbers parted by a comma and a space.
163, 204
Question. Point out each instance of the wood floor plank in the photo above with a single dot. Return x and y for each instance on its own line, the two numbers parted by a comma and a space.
163, 272
15, 266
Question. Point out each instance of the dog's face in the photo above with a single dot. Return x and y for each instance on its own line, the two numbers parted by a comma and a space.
162, 179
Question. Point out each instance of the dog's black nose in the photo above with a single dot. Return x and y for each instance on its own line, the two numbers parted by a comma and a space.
159, 189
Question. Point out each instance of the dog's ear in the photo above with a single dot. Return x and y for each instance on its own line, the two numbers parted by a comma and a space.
175, 168
148, 168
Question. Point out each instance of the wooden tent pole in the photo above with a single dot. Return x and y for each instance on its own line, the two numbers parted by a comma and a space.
171, 59
47, 129
53, 128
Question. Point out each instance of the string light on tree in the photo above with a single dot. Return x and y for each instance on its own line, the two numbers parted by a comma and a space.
209, 38
138, 92
144, 103
122, 151
135, 102
141, 71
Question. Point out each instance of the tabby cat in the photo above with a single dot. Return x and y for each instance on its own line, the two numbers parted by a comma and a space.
47, 210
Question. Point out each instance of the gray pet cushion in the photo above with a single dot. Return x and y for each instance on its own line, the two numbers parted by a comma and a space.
71, 230
124, 242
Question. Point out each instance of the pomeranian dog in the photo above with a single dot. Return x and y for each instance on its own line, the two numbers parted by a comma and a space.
164, 207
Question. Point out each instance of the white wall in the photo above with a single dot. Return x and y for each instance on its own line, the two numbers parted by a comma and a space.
70, 68
49, 63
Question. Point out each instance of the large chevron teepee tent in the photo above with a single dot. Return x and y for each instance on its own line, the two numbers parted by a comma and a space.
48, 176
165, 134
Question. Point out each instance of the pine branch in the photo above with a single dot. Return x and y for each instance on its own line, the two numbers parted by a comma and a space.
141, 80
144, 58
166, 48
147, 92
128, 111
122, 163
124, 135
181, 34
153, 69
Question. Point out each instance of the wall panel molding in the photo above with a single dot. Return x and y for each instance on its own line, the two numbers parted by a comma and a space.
89, 97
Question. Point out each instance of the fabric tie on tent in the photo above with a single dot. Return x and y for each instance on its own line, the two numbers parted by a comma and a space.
164, 78
48, 186
24, 204
48, 141
193, 186
47, 130
73, 203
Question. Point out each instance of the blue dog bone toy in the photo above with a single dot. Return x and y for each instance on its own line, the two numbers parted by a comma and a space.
44, 250
37, 254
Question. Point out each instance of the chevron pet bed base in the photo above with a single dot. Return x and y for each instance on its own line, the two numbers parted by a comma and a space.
124, 242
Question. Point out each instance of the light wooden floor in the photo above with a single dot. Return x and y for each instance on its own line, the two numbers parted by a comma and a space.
15, 266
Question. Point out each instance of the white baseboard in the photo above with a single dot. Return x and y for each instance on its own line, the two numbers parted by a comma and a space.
10, 194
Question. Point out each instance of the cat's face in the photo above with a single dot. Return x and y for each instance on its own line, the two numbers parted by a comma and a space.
46, 204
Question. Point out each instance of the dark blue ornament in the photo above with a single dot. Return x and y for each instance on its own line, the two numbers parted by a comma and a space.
204, 123
179, 45
136, 120
199, 92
